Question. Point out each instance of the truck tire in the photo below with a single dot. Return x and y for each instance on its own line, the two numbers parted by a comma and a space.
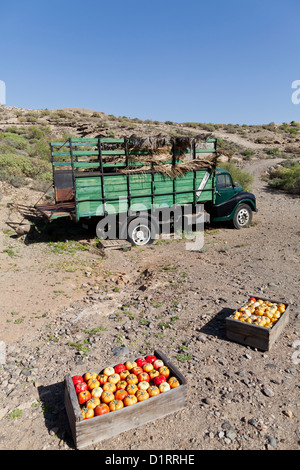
242, 217
141, 231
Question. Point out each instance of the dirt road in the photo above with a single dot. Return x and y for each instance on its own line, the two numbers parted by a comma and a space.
65, 309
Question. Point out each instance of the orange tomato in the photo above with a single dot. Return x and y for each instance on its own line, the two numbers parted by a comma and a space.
153, 390
143, 377
114, 378
93, 402
89, 375
116, 405
124, 374
164, 371
142, 395
153, 373
173, 382
101, 409
102, 378
121, 385
132, 379
108, 386
107, 397
131, 389
136, 370
130, 364
130, 400
148, 366
87, 412
93, 383
121, 394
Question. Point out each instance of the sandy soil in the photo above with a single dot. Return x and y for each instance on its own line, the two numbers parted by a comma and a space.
52, 293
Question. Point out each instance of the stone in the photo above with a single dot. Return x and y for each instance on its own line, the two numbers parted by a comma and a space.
231, 434
288, 413
120, 351
271, 441
268, 392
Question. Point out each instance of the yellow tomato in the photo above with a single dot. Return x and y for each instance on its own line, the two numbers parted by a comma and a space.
281, 308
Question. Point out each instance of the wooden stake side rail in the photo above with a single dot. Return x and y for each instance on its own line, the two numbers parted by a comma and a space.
90, 431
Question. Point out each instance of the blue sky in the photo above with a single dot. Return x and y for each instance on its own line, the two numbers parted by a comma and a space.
228, 61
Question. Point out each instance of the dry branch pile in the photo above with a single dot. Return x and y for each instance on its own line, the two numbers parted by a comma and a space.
159, 151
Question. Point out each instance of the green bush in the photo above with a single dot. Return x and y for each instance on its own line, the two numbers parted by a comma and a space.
243, 178
16, 141
286, 178
22, 166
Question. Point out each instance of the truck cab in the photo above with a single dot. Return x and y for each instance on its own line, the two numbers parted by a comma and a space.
231, 201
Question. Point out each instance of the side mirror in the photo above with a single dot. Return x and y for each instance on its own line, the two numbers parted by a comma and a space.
236, 184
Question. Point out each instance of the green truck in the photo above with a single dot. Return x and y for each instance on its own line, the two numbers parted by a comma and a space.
119, 185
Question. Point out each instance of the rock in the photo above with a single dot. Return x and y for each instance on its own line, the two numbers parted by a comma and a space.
230, 434
253, 422
226, 426
268, 392
288, 413
271, 441
208, 401
120, 351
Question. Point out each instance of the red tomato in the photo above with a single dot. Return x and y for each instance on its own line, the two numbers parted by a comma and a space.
119, 368
150, 359
101, 409
77, 379
160, 379
140, 361
253, 298
81, 387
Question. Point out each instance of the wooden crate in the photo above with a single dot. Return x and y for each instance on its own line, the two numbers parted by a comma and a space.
90, 431
254, 335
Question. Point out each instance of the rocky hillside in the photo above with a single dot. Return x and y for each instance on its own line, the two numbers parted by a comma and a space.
244, 141
25, 135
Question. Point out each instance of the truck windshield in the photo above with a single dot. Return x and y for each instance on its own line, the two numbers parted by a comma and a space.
224, 181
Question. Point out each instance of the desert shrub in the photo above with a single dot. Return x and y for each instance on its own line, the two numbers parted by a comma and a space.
286, 178
228, 146
16, 141
292, 149
22, 166
242, 177
247, 153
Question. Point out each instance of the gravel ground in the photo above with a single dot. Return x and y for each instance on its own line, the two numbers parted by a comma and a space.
58, 319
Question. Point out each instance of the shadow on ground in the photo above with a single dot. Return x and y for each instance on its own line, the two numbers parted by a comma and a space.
55, 415
217, 325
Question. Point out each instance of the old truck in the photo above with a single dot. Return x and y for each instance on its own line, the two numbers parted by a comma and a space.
116, 182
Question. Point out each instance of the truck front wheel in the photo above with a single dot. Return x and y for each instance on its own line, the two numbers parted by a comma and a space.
242, 217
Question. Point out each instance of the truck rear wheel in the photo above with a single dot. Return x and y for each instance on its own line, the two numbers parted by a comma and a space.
142, 231
242, 217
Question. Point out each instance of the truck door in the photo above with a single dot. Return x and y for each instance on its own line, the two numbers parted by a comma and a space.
225, 201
